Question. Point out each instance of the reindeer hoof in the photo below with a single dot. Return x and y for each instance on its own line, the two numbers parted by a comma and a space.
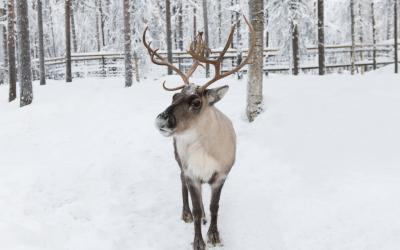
199, 244
213, 237
187, 216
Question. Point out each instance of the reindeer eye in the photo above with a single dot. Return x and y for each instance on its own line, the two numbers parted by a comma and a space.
196, 103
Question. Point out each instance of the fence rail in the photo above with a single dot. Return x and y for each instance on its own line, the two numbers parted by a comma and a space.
337, 57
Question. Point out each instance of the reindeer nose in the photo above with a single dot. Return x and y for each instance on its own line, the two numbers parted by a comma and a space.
163, 116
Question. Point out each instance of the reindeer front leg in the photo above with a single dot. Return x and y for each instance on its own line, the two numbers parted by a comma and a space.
195, 194
186, 213
213, 234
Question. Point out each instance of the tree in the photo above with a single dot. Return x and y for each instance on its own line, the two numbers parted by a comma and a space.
321, 38
255, 77
396, 50
12, 69
25, 71
127, 40
5, 49
353, 37
169, 33
68, 73
295, 36
73, 29
373, 22
180, 27
205, 23
41, 44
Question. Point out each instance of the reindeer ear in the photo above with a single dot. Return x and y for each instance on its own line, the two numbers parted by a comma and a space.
216, 94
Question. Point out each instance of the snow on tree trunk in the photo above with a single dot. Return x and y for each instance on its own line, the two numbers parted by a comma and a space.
25, 71
12, 71
168, 31
205, 22
373, 22
321, 38
353, 38
42, 71
136, 61
73, 29
68, 67
127, 40
255, 76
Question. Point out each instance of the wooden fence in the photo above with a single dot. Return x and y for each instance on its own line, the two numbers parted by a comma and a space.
337, 60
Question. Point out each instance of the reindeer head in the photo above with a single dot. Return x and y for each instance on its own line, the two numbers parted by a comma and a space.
194, 100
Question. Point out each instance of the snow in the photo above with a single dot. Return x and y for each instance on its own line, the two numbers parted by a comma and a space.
84, 168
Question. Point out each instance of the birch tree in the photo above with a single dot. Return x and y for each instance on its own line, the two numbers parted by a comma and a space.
25, 71
12, 75
255, 77
127, 40
42, 72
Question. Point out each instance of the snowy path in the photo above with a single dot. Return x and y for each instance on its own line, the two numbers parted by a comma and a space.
84, 168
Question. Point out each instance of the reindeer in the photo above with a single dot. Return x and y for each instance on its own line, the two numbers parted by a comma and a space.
203, 137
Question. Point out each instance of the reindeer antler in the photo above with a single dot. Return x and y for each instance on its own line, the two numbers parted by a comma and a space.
198, 50
159, 60
218, 62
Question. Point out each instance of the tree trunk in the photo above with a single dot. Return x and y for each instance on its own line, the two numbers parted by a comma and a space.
353, 38
127, 39
255, 77
396, 51
238, 36
12, 69
373, 34
169, 41
360, 33
205, 21
73, 29
219, 23
68, 67
180, 27
52, 29
26, 93
42, 71
136, 61
295, 48
321, 38
266, 28
5, 49
194, 22
97, 25
102, 21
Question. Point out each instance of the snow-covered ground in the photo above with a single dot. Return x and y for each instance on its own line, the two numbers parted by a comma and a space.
83, 168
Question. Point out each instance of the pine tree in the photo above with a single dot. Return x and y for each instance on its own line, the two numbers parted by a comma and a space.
68, 73
353, 37
12, 69
321, 38
41, 44
25, 71
255, 77
127, 40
